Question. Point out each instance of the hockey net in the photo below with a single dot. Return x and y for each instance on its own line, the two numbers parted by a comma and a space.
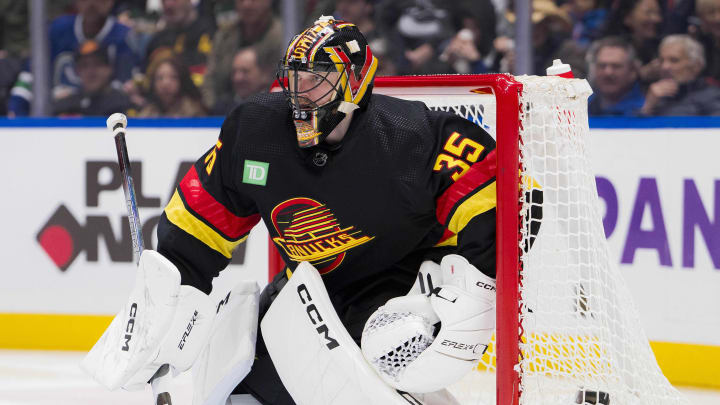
567, 329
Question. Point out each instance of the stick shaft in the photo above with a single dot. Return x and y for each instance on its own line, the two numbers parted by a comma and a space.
130, 200
160, 382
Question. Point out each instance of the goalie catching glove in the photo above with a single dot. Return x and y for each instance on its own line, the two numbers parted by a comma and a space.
402, 341
162, 323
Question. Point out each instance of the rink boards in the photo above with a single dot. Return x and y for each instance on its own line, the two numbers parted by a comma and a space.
67, 258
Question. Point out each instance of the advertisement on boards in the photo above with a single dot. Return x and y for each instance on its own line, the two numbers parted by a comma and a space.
68, 247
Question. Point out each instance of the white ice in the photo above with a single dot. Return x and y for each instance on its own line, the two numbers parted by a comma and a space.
55, 378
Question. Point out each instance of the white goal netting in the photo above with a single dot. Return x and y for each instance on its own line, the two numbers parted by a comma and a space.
580, 339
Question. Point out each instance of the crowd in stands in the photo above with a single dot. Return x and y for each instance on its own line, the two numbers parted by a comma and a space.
191, 58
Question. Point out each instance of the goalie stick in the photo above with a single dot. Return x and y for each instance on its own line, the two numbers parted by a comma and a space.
117, 123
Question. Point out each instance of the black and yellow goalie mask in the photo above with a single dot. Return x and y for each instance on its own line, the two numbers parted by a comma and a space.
326, 73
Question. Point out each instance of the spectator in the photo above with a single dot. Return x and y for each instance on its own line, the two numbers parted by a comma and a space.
172, 91
360, 13
93, 22
9, 69
387, 65
614, 78
13, 46
256, 26
676, 16
708, 34
57, 8
252, 73
96, 95
588, 19
416, 29
473, 41
681, 90
14, 34
188, 35
551, 40
314, 9
638, 21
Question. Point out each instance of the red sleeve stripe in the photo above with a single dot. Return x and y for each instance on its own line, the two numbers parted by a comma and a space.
209, 209
445, 236
479, 173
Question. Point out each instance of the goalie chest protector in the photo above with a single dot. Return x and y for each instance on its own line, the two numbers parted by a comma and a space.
354, 212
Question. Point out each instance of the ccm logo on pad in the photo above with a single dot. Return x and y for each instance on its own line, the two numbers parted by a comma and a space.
129, 327
315, 317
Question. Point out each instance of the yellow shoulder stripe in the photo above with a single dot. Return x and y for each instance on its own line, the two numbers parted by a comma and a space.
482, 201
183, 219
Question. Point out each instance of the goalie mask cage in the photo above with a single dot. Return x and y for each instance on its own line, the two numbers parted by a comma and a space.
567, 330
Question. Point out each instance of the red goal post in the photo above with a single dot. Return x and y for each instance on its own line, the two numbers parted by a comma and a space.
506, 91
558, 334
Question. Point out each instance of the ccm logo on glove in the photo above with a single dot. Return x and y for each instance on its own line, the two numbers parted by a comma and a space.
129, 327
187, 332
311, 309
485, 286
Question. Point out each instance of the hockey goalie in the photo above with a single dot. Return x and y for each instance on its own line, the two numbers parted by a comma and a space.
384, 212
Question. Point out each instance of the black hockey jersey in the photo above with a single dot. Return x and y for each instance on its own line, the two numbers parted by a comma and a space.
406, 184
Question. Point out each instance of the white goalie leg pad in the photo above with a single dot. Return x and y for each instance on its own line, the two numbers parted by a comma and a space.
162, 323
230, 350
398, 342
315, 357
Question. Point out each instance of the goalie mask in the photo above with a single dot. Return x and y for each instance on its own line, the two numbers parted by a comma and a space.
327, 72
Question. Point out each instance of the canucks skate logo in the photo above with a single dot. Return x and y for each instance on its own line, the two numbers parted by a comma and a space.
309, 232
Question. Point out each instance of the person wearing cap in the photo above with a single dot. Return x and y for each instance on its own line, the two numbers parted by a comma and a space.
93, 22
96, 96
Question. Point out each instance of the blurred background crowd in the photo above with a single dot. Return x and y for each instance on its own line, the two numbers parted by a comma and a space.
190, 58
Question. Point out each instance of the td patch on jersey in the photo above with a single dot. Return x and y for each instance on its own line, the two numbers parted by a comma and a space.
255, 172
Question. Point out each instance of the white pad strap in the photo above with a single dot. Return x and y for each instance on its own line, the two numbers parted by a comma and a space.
315, 357
162, 323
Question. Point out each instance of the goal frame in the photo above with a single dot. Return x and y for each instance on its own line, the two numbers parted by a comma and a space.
508, 266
